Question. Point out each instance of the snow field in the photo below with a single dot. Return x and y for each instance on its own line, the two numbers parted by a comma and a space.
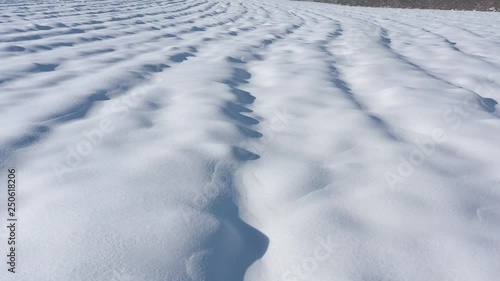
251, 140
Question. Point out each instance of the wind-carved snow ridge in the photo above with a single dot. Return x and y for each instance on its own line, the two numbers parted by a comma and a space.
236, 245
250, 140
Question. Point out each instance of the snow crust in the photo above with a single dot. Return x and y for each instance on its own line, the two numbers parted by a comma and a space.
250, 140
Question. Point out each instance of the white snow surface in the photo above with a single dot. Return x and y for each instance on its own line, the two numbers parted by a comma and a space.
250, 140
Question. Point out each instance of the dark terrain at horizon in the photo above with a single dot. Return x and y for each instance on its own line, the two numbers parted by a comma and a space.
482, 5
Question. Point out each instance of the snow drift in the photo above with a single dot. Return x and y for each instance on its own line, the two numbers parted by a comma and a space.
250, 140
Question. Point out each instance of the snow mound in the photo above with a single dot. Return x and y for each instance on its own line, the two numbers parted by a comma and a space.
250, 140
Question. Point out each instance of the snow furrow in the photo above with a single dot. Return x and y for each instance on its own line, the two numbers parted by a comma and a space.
250, 140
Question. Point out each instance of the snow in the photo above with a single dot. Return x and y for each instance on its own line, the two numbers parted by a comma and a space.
250, 140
